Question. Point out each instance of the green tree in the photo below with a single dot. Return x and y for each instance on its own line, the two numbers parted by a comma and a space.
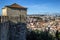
39, 35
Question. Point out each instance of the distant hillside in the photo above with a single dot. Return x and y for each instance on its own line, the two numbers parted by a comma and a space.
52, 14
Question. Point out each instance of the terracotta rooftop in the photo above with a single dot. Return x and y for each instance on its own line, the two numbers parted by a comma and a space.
15, 6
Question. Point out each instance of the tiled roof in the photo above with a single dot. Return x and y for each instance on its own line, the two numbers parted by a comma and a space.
15, 6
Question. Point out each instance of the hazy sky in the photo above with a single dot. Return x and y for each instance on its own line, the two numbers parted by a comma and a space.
35, 6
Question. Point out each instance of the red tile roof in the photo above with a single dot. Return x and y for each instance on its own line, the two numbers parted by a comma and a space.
15, 6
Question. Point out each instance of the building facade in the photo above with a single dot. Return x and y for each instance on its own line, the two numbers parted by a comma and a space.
13, 22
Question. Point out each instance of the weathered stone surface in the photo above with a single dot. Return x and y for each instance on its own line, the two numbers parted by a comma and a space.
13, 23
12, 31
4, 31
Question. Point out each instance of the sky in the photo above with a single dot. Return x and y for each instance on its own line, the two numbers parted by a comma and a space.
35, 6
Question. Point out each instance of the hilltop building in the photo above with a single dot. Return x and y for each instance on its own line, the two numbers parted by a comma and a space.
13, 22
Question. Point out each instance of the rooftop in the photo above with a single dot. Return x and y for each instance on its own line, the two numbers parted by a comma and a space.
15, 6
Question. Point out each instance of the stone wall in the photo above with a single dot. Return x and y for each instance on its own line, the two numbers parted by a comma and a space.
4, 31
0, 30
13, 31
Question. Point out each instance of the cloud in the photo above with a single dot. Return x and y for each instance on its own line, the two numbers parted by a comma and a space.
37, 8
41, 6
47, 8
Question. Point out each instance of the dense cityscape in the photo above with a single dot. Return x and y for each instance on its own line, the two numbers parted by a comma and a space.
37, 22
43, 22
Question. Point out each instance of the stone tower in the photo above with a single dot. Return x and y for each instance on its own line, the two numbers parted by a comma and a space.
13, 21
15, 12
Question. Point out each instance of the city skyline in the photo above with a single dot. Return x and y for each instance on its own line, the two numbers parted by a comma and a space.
35, 6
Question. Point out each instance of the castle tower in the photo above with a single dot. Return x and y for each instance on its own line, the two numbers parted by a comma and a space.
15, 12
13, 22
